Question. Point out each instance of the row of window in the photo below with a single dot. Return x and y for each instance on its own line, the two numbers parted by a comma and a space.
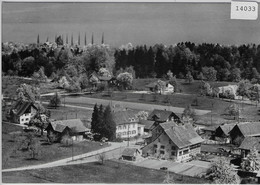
125, 127
163, 152
163, 147
129, 132
27, 119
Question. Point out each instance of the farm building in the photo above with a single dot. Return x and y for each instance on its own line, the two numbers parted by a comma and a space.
95, 78
22, 112
229, 91
127, 124
222, 132
174, 142
131, 154
248, 144
245, 129
208, 132
161, 116
73, 128
161, 87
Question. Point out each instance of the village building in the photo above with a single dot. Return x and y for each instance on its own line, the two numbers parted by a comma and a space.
229, 91
222, 132
160, 87
242, 130
161, 116
207, 132
72, 128
131, 154
22, 112
95, 79
174, 142
248, 144
127, 124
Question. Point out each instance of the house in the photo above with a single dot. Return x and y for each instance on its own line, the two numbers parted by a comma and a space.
222, 132
248, 144
73, 128
22, 112
208, 132
131, 154
161, 116
95, 78
174, 142
161, 87
242, 130
229, 91
127, 125
147, 125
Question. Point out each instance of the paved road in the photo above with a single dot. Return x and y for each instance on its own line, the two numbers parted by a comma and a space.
86, 102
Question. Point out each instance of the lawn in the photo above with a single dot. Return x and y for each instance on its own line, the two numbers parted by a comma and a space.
13, 157
110, 172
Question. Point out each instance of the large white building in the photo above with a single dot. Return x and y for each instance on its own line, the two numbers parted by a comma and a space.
127, 124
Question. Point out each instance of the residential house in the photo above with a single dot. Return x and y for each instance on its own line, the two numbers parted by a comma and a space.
161, 116
248, 144
95, 79
131, 154
22, 112
207, 132
242, 130
229, 91
73, 128
174, 142
147, 125
161, 87
222, 132
127, 124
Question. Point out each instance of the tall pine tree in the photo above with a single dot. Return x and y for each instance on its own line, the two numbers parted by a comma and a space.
109, 125
94, 121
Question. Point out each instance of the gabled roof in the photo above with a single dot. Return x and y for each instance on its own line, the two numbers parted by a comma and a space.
101, 78
75, 124
181, 135
161, 115
130, 152
210, 128
249, 128
123, 117
227, 128
21, 106
249, 143
147, 123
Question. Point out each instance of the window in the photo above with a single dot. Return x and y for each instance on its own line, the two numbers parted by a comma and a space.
119, 127
26, 119
124, 133
133, 125
173, 153
173, 147
162, 147
161, 152
155, 146
22, 119
180, 153
155, 151
185, 152
133, 132
158, 139
170, 142
129, 132
124, 127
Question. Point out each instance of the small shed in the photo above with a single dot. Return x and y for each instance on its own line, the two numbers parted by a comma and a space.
130, 154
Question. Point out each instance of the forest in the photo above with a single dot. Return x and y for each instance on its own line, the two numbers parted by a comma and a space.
226, 63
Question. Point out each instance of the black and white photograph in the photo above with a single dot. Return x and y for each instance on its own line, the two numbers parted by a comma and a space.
130, 92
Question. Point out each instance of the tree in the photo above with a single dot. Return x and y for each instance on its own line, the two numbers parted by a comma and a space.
160, 86
32, 145
94, 119
173, 81
28, 93
168, 179
55, 101
209, 73
142, 115
125, 80
235, 75
188, 112
233, 110
221, 172
243, 88
189, 77
108, 124
169, 74
206, 89
102, 157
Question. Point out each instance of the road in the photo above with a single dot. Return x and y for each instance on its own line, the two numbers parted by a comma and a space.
111, 152
86, 102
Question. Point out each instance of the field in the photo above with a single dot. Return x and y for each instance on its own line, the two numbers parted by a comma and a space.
13, 157
110, 172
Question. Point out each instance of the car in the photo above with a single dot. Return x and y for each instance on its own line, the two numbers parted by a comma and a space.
163, 168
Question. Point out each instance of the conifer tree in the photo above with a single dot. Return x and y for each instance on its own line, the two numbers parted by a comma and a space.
47, 40
38, 39
109, 125
72, 40
79, 39
85, 39
99, 125
67, 39
92, 39
102, 41
94, 119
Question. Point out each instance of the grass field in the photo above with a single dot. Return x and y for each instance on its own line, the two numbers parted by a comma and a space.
110, 172
13, 157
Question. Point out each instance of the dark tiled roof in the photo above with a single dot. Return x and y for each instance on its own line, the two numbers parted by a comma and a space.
147, 123
122, 117
249, 128
161, 115
249, 143
181, 135
75, 124
101, 78
210, 128
21, 106
129, 152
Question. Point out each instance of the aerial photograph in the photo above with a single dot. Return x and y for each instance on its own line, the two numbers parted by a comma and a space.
130, 93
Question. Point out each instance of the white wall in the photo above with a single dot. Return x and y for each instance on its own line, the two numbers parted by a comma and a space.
25, 118
133, 128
